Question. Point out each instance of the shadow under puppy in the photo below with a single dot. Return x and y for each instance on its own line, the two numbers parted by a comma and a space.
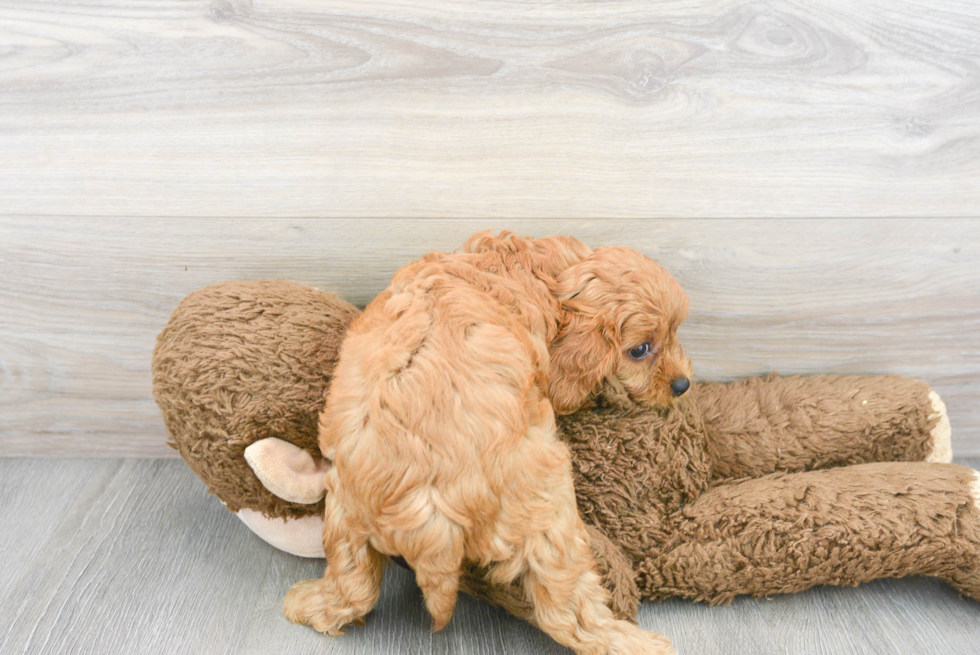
440, 423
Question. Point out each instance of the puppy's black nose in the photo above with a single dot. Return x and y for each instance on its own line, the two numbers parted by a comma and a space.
679, 386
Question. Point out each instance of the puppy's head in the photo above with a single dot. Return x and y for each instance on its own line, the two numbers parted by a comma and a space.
620, 314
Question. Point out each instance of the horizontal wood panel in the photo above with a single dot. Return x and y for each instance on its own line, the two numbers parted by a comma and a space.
625, 108
82, 301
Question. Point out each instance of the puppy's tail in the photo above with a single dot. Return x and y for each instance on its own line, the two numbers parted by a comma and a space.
441, 591
437, 570
434, 550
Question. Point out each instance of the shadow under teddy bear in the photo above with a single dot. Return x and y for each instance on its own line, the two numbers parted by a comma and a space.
760, 486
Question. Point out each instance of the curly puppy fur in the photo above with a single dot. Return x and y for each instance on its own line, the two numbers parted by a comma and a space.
441, 426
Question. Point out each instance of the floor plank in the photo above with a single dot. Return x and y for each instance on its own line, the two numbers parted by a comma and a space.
132, 556
381, 108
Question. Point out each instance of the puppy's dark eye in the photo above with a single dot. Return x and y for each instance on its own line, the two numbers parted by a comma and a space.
640, 351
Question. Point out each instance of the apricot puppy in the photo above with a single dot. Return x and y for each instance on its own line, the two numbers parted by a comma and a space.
440, 423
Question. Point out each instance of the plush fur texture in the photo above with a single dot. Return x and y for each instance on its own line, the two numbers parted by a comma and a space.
755, 487
761, 425
694, 529
239, 362
440, 423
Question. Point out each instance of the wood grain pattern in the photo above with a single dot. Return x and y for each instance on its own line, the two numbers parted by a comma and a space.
132, 556
82, 301
476, 108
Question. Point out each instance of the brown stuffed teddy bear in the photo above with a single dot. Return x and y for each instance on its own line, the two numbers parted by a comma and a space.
761, 486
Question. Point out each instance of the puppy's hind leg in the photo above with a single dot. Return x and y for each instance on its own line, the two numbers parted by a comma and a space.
571, 605
351, 585
561, 582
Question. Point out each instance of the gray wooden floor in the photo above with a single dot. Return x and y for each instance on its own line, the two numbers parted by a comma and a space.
132, 556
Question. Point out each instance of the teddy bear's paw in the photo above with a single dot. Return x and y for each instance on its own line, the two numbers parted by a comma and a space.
940, 444
311, 603
627, 639
967, 578
967, 582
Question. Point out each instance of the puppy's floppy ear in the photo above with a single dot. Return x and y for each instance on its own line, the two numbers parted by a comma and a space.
584, 352
581, 358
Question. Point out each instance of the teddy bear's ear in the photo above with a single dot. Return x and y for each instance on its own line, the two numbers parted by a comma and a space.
288, 471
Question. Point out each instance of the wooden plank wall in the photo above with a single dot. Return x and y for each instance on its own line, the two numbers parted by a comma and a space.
82, 300
490, 108
150, 148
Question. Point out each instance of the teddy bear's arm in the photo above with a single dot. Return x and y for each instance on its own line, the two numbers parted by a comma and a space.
845, 526
762, 425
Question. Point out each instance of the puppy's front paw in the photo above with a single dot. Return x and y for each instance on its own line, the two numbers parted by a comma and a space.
627, 639
310, 603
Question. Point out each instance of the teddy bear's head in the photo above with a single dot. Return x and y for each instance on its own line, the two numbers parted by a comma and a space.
240, 373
